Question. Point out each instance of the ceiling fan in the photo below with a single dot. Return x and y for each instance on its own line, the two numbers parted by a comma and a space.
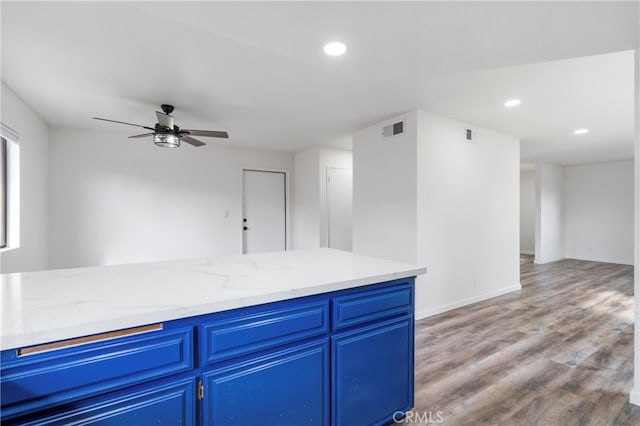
167, 134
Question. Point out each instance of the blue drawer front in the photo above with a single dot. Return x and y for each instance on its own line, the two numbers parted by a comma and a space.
372, 305
284, 388
372, 372
233, 337
41, 380
170, 404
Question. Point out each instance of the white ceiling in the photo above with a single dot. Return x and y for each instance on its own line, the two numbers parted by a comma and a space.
558, 97
258, 70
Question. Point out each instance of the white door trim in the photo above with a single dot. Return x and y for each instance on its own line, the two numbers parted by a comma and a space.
287, 201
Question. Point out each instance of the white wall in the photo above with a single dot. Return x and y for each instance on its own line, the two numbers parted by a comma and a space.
117, 200
306, 200
527, 211
549, 245
599, 212
310, 193
430, 197
584, 212
340, 208
468, 214
384, 191
33, 144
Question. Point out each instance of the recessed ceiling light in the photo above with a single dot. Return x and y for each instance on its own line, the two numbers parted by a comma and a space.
512, 102
580, 131
335, 48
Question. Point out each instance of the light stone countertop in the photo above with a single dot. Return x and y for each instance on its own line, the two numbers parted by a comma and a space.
45, 306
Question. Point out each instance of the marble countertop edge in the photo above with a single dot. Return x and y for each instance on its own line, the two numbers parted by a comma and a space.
26, 336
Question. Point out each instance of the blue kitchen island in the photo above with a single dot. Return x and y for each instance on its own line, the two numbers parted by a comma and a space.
309, 337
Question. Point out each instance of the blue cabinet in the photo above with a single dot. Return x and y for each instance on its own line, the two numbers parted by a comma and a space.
289, 387
367, 306
339, 358
49, 378
166, 404
372, 373
226, 338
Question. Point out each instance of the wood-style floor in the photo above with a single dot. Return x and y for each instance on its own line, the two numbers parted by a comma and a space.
558, 352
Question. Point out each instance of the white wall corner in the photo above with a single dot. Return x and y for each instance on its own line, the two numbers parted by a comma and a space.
385, 210
527, 211
310, 212
306, 227
458, 185
549, 232
634, 396
29, 205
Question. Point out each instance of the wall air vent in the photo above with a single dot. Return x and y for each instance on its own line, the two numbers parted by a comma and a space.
394, 129
469, 135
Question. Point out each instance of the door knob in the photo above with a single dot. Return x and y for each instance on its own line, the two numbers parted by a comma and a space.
244, 228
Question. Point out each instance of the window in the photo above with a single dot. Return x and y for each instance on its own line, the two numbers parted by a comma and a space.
9, 189
4, 214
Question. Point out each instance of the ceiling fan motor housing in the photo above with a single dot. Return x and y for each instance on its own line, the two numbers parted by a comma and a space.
161, 129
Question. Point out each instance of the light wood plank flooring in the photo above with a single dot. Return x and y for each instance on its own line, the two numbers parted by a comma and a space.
559, 352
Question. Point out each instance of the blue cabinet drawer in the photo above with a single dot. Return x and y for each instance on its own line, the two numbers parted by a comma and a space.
287, 387
168, 404
372, 305
231, 337
39, 380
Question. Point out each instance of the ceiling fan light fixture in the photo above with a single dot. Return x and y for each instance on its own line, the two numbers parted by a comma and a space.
166, 140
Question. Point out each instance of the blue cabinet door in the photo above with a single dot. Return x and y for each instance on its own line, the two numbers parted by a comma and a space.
170, 404
372, 373
288, 387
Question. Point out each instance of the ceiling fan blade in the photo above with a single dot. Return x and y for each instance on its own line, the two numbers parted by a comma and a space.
191, 141
144, 135
122, 122
165, 120
206, 133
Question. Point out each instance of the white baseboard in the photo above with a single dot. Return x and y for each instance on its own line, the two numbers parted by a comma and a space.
527, 252
634, 396
542, 262
605, 260
464, 302
602, 259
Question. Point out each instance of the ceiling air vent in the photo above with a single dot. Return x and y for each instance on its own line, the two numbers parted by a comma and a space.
394, 129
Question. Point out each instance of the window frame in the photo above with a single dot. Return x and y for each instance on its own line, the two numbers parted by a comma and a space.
10, 188
4, 190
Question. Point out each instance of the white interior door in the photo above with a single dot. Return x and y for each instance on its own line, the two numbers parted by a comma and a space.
339, 208
264, 211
